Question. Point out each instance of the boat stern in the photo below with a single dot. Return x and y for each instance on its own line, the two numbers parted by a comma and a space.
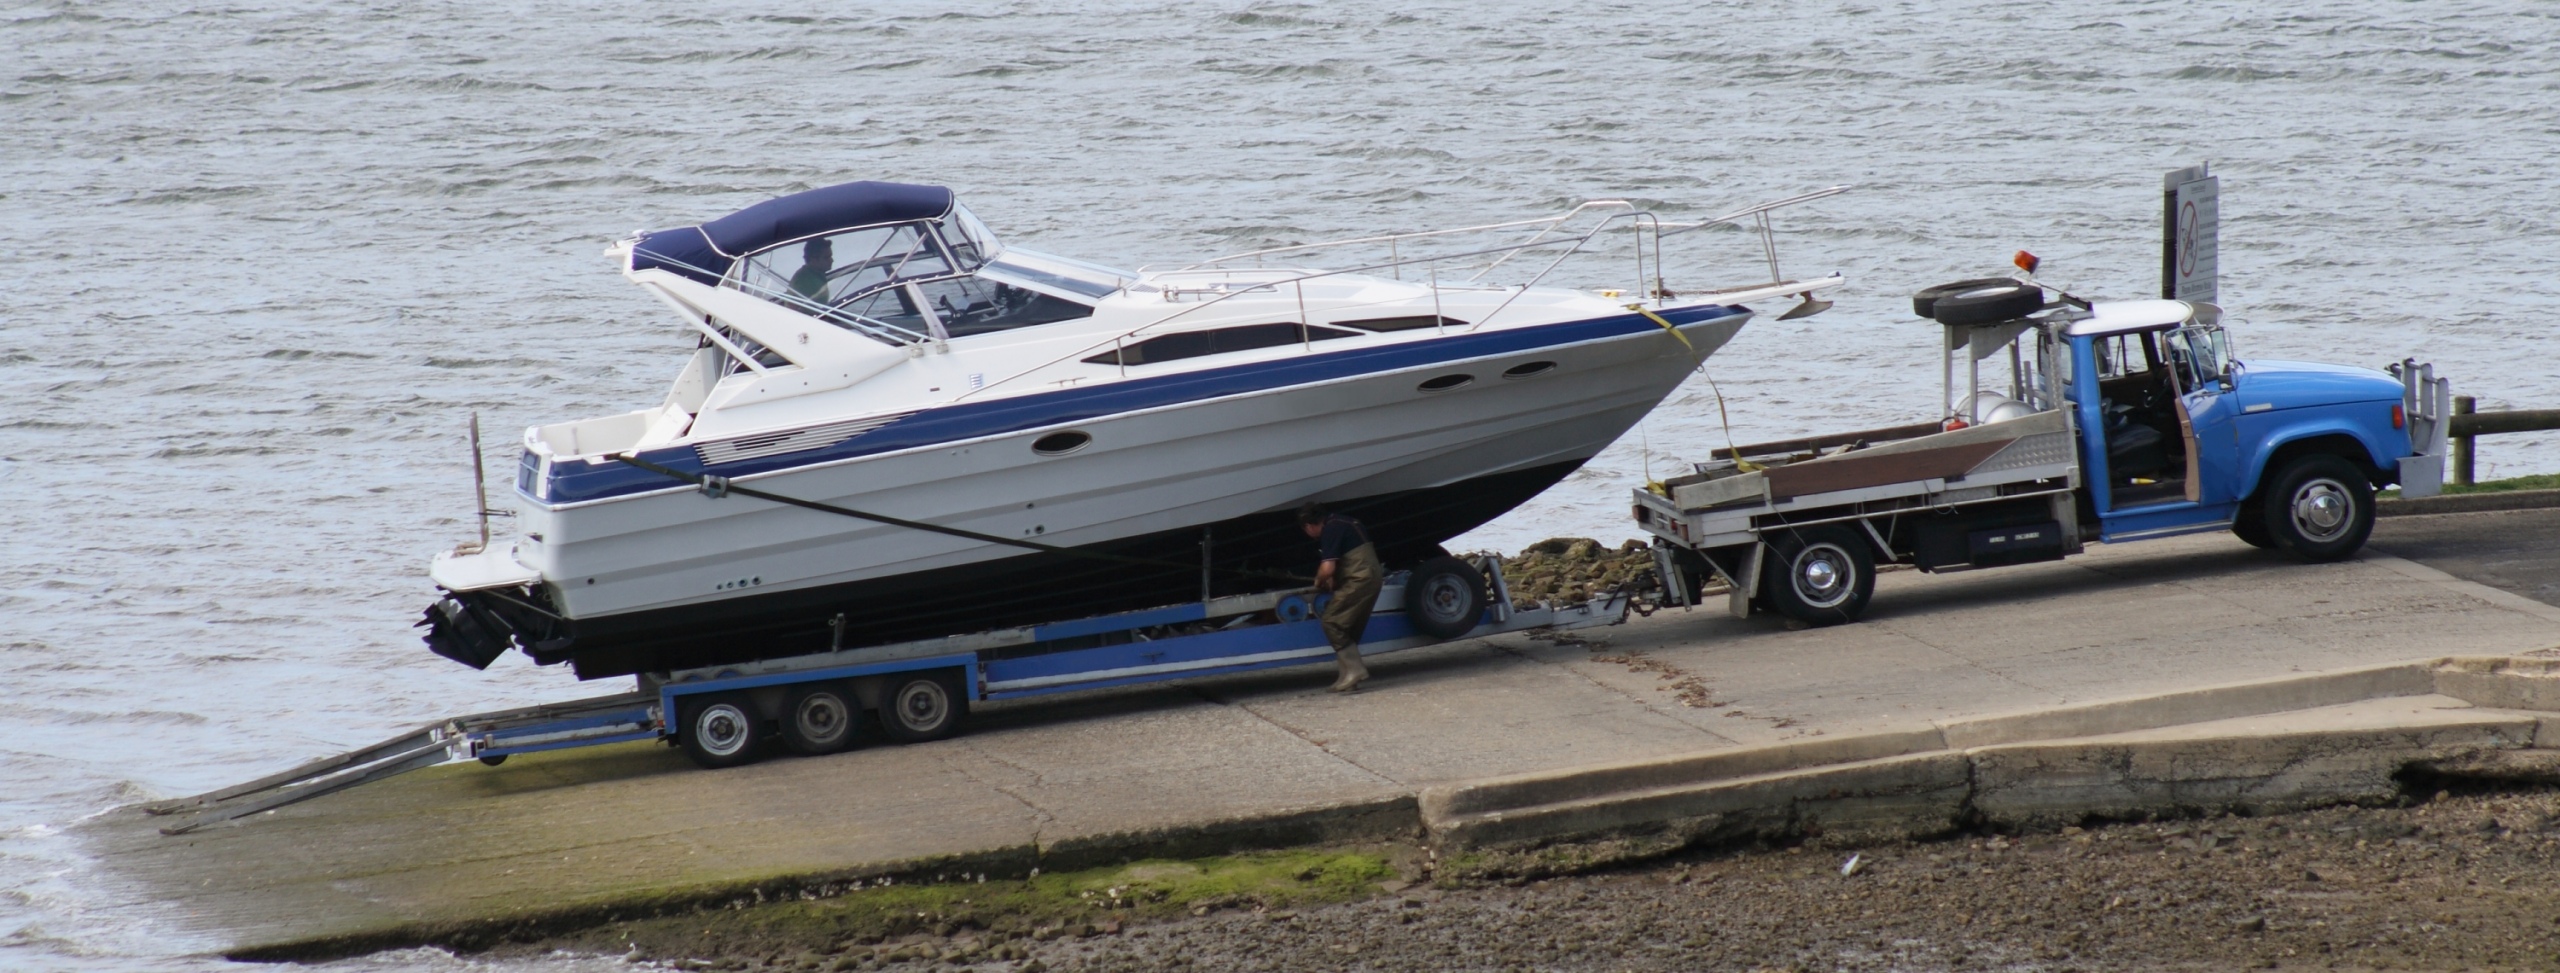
488, 605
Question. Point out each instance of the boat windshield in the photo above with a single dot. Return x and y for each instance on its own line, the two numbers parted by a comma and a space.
1041, 271
831, 269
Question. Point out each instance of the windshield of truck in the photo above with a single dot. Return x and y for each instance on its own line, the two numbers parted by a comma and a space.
2199, 356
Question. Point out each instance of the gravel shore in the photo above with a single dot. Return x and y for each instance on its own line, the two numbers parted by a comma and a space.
2456, 882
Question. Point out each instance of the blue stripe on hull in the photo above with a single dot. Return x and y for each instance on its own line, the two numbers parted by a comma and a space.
575, 482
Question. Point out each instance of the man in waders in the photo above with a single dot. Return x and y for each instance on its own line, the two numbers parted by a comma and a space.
1351, 571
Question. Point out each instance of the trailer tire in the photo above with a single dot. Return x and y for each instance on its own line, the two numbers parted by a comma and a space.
2003, 301
923, 706
2319, 508
1821, 575
1444, 598
1925, 303
722, 730
818, 718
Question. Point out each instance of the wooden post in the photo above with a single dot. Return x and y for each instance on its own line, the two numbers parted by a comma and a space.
2464, 447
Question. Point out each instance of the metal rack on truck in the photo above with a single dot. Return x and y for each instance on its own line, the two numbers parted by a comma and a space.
920, 690
2123, 421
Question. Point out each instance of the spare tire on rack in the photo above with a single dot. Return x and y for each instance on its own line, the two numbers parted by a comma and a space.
1925, 303
2001, 301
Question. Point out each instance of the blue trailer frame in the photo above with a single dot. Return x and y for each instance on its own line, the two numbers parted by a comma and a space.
1244, 633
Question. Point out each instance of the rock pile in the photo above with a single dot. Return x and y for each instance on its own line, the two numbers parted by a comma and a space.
1570, 570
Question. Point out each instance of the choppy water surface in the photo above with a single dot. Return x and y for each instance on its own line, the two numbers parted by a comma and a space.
268, 259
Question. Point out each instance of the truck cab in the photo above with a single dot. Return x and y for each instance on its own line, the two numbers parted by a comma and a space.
2121, 421
2177, 435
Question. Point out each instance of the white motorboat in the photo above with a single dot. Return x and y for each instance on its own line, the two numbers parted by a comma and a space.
1035, 437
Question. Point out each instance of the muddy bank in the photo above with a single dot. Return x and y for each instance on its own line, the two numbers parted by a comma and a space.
2463, 881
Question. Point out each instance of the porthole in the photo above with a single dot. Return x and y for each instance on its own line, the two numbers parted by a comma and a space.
1526, 369
1445, 383
1060, 443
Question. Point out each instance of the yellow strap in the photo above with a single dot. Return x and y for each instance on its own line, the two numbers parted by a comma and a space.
1739, 463
1666, 326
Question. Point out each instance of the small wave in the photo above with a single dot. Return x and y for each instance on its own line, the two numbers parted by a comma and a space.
194, 194
888, 65
192, 452
2201, 72
1249, 18
300, 354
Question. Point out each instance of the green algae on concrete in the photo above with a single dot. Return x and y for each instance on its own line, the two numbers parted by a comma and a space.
982, 913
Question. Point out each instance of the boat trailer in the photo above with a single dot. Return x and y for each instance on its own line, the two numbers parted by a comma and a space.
1237, 633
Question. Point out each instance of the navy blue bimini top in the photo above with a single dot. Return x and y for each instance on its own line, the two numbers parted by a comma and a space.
1341, 535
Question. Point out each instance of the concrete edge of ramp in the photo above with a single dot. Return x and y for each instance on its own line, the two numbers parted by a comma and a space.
1391, 818
2266, 745
2464, 503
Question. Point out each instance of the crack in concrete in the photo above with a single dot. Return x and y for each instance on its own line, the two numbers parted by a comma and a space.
1247, 708
1041, 818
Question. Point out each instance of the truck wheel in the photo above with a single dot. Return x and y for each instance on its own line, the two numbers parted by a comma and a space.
923, 706
1925, 302
2003, 301
1444, 598
722, 730
2320, 508
819, 718
1820, 575
2250, 525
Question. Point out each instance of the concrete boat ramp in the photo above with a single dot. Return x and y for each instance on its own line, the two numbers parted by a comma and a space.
2188, 675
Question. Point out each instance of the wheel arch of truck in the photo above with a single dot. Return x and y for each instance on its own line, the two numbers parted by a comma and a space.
2334, 435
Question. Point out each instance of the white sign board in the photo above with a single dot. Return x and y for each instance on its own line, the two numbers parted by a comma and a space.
2189, 257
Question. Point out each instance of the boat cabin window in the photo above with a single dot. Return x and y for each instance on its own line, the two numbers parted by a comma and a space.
828, 270
1406, 323
1218, 341
976, 305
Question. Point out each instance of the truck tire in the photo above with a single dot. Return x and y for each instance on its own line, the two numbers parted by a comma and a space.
923, 706
1444, 598
721, 730
1821, 575
2006, 300
2250, 525
2319, 508
1925, 302
818, 718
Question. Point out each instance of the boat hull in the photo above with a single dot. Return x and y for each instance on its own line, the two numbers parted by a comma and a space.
673, 578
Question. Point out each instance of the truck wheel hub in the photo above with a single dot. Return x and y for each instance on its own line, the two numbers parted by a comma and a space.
1822, 576
2320, 509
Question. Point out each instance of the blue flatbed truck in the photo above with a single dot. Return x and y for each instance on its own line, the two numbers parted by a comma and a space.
920, 690
2107, 421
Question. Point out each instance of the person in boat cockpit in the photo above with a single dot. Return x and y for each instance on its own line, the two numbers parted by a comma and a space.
816, 260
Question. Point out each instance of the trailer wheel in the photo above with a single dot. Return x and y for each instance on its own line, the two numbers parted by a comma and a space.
1444, 598
2320, 508
1820, 575
923, 706
2002, 301
819, 718
722, 730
